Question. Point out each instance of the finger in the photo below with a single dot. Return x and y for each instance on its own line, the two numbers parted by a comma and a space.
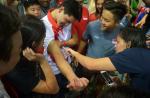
75, 85
78, 83
23, 52
84, 82
69, 86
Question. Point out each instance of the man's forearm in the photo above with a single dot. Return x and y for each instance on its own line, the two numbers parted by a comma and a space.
63, 65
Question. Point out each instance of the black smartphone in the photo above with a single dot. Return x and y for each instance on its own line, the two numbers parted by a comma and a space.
107, 78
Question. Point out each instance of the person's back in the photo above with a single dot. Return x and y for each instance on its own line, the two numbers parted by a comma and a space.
133, 57
33, 68
137, 67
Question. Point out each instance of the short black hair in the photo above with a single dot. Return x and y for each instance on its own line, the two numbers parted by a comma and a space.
123, 91
28, 3
117, 9
9, 25
134, 35
32, 30
72, 8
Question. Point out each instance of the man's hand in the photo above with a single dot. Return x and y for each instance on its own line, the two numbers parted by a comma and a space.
78, 84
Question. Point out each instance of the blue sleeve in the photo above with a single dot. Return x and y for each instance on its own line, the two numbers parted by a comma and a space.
126, 61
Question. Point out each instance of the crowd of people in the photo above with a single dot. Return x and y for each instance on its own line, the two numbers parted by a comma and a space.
74, 48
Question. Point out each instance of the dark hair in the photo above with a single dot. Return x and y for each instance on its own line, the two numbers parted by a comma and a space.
32, 30
72, 8
28, 3
9, 25
123, 92
117, 9
99, 11
134, 35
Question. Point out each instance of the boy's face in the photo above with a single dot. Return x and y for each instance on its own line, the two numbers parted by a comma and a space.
107, 20
64, 19
15, 54
34, 10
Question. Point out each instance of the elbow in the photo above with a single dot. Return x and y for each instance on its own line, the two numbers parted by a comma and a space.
54, 89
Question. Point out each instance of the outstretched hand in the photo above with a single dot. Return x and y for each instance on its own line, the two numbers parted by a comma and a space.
72, 52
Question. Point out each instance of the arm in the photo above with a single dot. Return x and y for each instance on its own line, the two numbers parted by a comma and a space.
75, 82
93, 64
49, 85
70, 43
82, 45
60, 61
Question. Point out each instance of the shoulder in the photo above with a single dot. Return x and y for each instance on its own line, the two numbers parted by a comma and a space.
94, 24
131, 53
136, 50
45, 18
85, 10
46, 21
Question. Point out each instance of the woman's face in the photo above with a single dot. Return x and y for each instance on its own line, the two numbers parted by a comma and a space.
99, 4
120, 44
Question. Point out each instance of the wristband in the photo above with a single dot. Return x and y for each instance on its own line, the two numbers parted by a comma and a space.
64, 43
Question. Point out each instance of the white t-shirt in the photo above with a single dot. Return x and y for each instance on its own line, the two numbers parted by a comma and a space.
64, 34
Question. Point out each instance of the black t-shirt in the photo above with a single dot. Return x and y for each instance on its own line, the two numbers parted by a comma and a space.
25, 76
